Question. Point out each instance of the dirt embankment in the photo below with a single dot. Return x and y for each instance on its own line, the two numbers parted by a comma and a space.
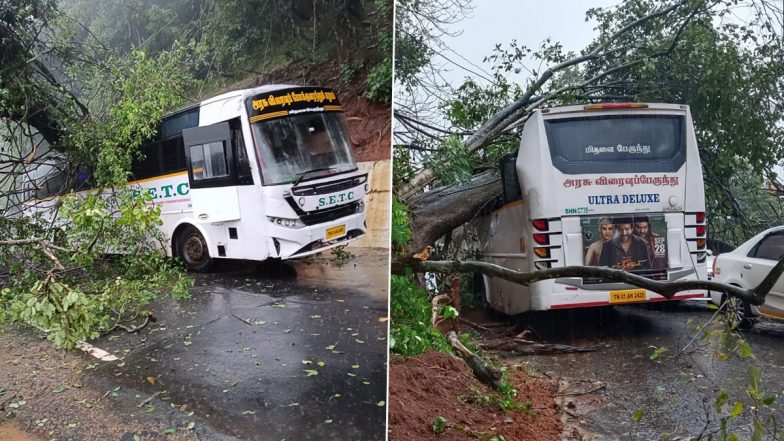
433, 385
369, 123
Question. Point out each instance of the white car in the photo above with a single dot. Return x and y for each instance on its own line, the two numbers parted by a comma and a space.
746, 266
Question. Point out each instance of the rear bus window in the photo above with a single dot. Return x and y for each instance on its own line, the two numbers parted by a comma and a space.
606, 144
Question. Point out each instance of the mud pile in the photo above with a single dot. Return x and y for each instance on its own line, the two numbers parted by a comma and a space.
434, 384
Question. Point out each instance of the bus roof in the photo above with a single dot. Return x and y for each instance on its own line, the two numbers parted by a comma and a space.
239, 93
581, 108
244, 93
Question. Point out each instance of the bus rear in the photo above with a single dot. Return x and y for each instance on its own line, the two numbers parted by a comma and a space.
617, 186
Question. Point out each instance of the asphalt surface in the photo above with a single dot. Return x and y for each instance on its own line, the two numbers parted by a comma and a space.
674, 395
283, 352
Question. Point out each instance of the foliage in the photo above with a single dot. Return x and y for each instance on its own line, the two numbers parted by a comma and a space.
451, 163
236, 39
379, 82
401, 231
439, 424
97, 291
86, 262
341, 255
379, 79
410, 330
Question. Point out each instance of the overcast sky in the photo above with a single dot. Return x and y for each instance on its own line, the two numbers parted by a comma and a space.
528, 21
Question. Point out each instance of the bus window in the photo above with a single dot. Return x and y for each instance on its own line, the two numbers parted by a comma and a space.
243, 163
148, 164
642, 143
209, 161
509, 181
173, 155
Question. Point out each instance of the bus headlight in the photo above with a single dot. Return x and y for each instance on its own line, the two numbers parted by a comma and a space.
283, 222
361, 206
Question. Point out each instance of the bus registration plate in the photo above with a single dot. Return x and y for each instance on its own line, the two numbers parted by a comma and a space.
334, 232
627, 296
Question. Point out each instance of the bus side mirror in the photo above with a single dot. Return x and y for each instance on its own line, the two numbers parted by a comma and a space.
509, 181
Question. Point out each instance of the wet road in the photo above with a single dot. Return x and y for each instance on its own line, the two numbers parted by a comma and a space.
294, 352
676, 394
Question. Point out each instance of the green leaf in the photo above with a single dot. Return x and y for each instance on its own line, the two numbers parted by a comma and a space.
721, 400
637, 415
170, 431
136, 437
744, 349
310, 372
439, 424
737, 409
657, 352
450, 312
768, 400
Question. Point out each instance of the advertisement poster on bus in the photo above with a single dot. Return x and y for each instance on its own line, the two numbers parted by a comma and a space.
635, 243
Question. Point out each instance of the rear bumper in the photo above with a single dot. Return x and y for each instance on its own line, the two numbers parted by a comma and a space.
602, 298
563, 296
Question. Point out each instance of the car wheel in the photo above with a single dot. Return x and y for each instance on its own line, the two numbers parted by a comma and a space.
192, 249
740, 312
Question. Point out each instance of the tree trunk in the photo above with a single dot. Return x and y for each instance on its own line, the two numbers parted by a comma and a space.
441, 210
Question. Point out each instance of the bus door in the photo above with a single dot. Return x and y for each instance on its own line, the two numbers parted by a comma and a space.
211, 174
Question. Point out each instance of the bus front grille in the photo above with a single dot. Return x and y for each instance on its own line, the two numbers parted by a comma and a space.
325, 215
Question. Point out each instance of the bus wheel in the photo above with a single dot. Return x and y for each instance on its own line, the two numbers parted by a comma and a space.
192, 249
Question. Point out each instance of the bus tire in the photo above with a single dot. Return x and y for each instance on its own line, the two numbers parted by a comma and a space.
193, 250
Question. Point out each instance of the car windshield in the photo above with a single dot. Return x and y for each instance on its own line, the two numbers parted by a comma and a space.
302, 147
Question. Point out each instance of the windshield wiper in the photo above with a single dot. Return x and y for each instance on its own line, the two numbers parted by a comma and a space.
302, 175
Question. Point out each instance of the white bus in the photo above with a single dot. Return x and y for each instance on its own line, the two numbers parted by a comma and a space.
251, 174
614, 185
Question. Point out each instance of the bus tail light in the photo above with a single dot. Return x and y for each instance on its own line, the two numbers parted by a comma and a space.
700, 217
540, 224
542, 265
542, 239
700, 244
542, 252
700, 230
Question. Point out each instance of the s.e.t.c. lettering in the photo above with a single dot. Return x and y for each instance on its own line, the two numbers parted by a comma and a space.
339, 198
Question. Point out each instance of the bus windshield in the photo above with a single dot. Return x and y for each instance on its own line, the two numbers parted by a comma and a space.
302, 147
605, 144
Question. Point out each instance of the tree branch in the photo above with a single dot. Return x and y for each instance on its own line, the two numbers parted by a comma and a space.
668, 289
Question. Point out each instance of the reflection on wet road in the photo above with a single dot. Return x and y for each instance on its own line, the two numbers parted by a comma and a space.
295, 352
676, 393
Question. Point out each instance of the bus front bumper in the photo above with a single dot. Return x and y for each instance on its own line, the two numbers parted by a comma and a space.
295, 243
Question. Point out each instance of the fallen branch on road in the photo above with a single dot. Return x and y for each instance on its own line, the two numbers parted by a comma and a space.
528, 347
148, 399
482, 370
667, 289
